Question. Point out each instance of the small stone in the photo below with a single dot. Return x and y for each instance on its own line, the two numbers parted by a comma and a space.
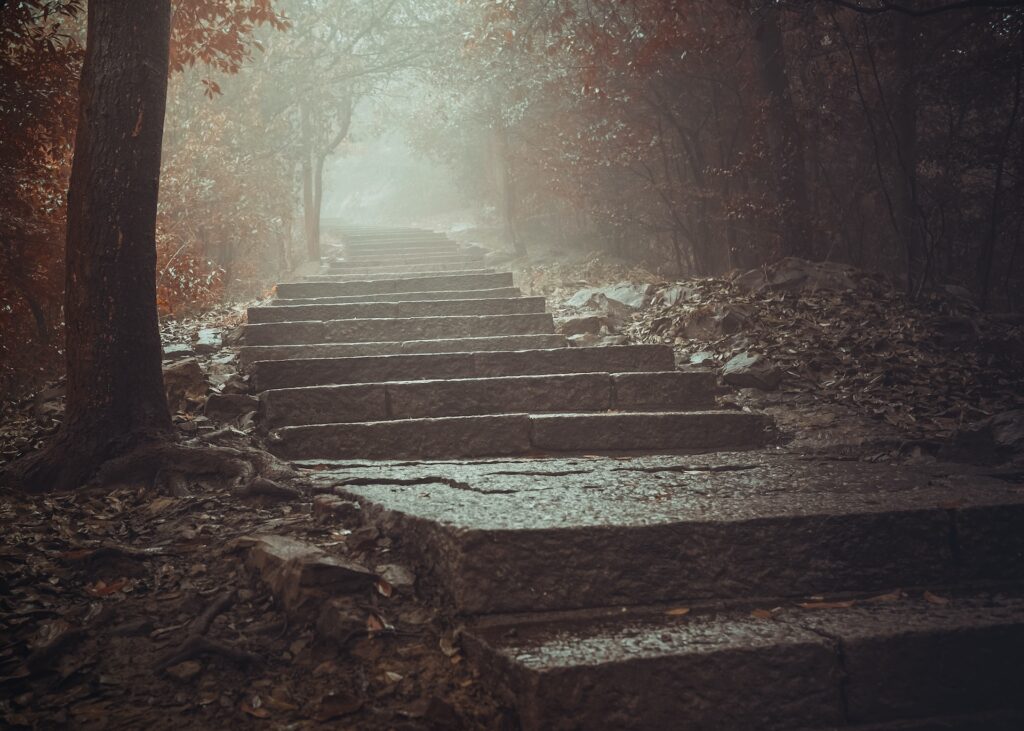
397, 575
208, 340
751, 370
584, 340
174, 351
703, 358
185, 670
333, 507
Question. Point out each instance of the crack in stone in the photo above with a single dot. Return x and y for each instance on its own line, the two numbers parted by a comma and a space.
689, 468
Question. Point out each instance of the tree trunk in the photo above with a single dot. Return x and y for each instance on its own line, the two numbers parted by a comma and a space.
506, 191
309, 214
784, 135
904, 163
115, 390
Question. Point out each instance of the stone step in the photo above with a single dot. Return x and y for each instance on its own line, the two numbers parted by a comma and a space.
362, 277
535, 535
905, 664
578, 392
414, 308
388, 329
462, 437
473, 294
376, 261
342, 252
341, 268
388, 242
425, 283
372, 369
249, 354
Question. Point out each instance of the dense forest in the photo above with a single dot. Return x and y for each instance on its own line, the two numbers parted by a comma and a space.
692, 136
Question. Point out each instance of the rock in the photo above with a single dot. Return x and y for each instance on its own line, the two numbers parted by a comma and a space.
233, 337
631, 294
676, 293
584, 340
703, 358
614, 340
340, 620
185, 383
799, 275
751, 370
397, 575
185, 670
174, 351
229, 407
580, 324
716, 323
208, 340
299, 573
333, 507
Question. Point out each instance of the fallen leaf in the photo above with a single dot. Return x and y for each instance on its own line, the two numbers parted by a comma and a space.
384, 588
101, 588
827, 605
255, 712
940, 601
678, 612
336, 705
892, 596
761, 614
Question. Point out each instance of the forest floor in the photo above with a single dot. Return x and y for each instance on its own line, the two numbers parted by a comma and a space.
125, 606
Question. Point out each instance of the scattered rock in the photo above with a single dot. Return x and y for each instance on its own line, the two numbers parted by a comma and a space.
717, 322
340, 620
185, 384
235, 383
1008, 432
584, 340
335, 508
580, 324
229, 407
703, 358
799, 275
397, 575
48, 404
751, 370
208, 340
298, 572
233, 338
631, 294
676, 293
174, 351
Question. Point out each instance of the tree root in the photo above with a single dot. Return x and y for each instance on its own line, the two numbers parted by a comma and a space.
197, 643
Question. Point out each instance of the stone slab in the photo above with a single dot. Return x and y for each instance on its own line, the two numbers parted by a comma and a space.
326, 277
515, 535
452, 437
247, 355
909, 664
383, 259
429, 283
416, 308
372, 369
474, 294
664, 391
442, 437
580, 392
393, 269
650, 431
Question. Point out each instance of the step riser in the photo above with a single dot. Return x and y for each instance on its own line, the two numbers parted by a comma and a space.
414, 328
473, 294
365, 253
495, 436
343, 278
383, 260
698, 559
456, 283
428, 308
318, 372
814, 674
249, 354
530, 394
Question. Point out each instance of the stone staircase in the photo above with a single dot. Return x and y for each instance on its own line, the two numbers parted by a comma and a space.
623, 555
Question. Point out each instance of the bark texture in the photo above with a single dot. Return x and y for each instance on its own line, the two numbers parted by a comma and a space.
115, 393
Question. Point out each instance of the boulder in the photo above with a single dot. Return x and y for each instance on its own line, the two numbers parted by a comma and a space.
174, 351
751, 370
799, 275
718, 322
633, 295
184, 383
676, 293
703, 358
229, 407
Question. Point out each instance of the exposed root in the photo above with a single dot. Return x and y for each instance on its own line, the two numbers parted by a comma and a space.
197, 644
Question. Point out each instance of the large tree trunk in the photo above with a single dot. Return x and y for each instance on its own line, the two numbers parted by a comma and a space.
785, 138
310, 214
115, 391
